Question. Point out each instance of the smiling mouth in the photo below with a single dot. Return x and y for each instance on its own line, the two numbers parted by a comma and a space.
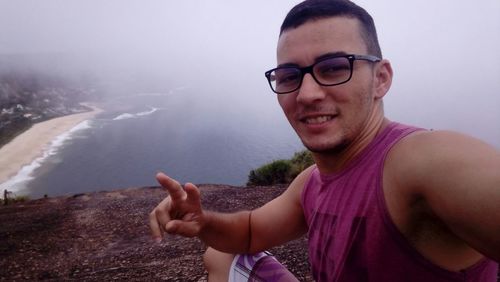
317, 120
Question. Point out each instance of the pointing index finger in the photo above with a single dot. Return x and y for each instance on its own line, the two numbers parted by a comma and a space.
173, 187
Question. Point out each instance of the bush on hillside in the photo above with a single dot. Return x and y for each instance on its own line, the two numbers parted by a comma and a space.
272, 173
280, 171
300, 161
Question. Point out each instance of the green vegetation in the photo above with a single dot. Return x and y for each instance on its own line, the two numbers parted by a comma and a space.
280, 171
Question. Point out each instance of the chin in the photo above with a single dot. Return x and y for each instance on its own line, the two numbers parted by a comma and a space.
326, 148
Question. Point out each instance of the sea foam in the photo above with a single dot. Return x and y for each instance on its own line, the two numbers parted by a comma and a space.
136, 115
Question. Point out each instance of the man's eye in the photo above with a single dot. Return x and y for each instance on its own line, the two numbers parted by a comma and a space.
287, 77
329, 69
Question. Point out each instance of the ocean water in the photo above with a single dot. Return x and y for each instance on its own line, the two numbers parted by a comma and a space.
191, 137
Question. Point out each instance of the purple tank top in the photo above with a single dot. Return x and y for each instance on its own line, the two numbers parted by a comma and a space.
351, 235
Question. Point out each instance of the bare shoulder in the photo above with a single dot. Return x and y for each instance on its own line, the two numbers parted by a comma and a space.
293, 193
446, 142
456, 177
290, 199
299, 182
430, 156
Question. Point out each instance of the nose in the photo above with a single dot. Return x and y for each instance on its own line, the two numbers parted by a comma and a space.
310, 91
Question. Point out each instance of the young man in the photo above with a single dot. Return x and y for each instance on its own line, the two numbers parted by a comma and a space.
384, 202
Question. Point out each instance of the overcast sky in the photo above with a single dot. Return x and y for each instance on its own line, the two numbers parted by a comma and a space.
445, 53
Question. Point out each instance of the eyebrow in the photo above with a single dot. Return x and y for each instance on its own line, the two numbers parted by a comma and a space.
329, 55
317, 59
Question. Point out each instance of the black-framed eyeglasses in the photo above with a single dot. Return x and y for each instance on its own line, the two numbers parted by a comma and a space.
328, 71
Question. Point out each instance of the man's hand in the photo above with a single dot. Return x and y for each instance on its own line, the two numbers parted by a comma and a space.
180, 213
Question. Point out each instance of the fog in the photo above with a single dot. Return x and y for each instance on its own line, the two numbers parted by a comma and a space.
444, 54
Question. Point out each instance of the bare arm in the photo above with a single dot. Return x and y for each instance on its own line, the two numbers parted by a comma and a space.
459, 178
276, 222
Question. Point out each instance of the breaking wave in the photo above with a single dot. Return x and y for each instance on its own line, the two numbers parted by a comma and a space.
136, 115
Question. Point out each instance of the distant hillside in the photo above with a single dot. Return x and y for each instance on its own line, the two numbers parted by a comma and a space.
29, 95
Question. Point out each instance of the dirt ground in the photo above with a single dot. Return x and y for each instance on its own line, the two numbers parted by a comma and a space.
105, 236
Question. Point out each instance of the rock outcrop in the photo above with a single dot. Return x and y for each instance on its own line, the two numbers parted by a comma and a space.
105, 236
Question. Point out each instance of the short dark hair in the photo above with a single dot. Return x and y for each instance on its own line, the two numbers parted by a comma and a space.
311, 10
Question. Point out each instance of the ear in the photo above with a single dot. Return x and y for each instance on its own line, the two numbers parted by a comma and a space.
383, 78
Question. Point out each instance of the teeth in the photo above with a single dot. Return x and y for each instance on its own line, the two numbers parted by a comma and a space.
319, 119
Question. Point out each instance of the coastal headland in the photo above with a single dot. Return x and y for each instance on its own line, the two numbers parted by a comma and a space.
104, 236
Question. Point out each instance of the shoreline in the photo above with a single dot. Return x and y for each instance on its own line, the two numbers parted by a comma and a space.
25, 148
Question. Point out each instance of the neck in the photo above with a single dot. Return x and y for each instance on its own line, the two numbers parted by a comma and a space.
328, 163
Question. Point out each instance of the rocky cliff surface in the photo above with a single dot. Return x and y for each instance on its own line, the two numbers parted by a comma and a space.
105, 236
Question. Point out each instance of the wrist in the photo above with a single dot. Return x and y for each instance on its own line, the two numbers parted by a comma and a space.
205, 223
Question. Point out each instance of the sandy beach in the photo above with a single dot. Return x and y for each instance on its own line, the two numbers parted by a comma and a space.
31, 144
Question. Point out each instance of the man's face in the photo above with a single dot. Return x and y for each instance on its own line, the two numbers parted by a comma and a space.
327, 118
